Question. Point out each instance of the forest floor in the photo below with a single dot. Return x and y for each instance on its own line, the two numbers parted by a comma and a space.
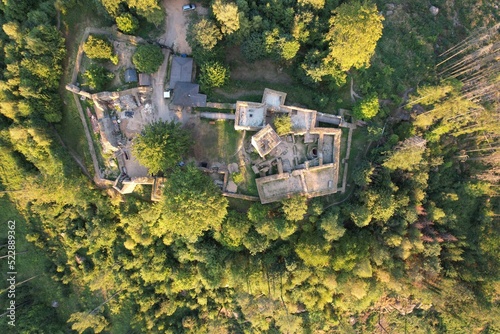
260, 70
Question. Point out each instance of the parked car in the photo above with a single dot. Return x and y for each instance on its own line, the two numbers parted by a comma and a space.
189, 7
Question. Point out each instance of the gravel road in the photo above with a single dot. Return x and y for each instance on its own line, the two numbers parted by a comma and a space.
176, 28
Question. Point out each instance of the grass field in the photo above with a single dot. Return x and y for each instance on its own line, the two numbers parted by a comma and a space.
297, 94
71, 130
215, 141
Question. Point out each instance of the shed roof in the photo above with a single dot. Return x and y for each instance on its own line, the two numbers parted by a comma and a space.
181, 70
144, 79
187, 94
130, 75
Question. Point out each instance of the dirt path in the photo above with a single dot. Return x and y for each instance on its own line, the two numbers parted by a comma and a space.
176, 26
158, 84
354, 95
240, 144
89, 139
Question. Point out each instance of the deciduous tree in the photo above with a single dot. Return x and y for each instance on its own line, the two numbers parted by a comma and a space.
367, 108
97, 77
149, 9
283, 124
161, 146
355, 28
83, 321
213, 74
98, 48
313, 249
148, 58
127, 23
333, 227
233, 230
316, 4
227, 15
192, 204
280, 45
317, 68
295, 208
204, 34
407, 155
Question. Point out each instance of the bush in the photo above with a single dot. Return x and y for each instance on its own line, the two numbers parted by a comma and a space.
367, 108
253, 47
98, 48
203, 34
148, 58
127, 23
161, 146
97, 77
295, 208
322, 100
213, 74
283, 124
238, 178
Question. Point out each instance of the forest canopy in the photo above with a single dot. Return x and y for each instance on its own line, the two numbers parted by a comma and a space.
412, 245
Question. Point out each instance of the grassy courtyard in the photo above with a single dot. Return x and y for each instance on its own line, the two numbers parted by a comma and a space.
215, 141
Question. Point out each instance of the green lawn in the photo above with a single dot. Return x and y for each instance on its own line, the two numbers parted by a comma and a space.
215, 141
296, 94
71, 130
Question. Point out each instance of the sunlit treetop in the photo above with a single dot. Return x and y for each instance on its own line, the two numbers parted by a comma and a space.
355, 29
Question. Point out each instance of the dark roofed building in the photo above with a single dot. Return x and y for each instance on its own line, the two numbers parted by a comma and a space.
130, 75
186, 94
181, 70
144, 79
